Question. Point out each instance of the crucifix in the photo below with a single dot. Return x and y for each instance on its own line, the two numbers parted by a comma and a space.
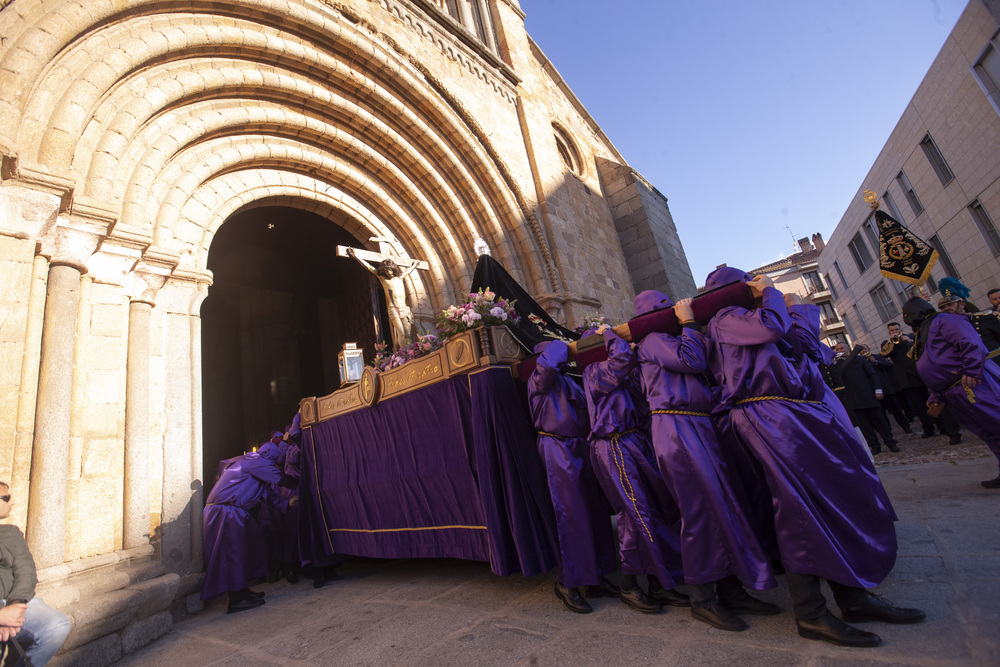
390, 271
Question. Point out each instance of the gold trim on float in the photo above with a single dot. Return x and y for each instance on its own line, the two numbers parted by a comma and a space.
403, 530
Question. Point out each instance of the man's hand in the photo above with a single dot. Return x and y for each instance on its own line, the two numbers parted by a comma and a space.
878, 394
758, 283
12, 617
683, 311
969, 382
7, 633
601, 329
793, 299
293, 501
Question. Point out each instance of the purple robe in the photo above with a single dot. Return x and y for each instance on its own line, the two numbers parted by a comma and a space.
954, 349
648, 538
583, 517
234, 545
832, 517
718, 539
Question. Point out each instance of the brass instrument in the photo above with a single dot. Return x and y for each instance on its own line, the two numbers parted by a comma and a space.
888, 346
895, 339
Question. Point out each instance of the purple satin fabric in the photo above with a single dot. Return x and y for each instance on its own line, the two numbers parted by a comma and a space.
445, 471
953, 349
559, 412
234, 545
832, 516
718, 539
648, 526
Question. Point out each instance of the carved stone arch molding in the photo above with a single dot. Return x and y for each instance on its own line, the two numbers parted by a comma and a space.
177, 114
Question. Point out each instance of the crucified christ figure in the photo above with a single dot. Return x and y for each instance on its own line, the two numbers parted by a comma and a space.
391, 276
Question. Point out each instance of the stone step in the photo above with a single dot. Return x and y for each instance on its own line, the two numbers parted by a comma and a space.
110, 624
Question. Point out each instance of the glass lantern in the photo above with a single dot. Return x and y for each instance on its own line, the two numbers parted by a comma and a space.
351, 362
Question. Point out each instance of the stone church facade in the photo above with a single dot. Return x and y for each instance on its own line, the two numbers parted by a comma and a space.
132, 131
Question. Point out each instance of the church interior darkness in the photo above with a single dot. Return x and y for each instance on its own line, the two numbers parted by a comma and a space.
280, 308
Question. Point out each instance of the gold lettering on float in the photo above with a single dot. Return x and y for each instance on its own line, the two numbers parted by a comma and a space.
414, 376
348, 400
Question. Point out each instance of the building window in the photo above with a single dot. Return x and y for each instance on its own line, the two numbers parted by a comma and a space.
890, 206
871, 231
837, 338
477, 19
884, 303
850, 329
827, 314
986, 226
987, 71
833, 290
452, 6
937, 161
944, 258
567, 151
911, 196
859, 251
813, 282
840, 274
860, 318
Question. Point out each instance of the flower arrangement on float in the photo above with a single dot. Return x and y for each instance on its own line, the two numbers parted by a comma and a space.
592, 321
481, 308
385, 358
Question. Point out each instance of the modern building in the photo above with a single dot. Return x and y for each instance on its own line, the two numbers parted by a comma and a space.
938, 174
175, 178
799, 273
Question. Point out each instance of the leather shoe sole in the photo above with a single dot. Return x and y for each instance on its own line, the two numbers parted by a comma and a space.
638, 600
670, 597
243, 605
751, 606
572, 599
831, 629
605, 589
719, 617
884, 613
991, 483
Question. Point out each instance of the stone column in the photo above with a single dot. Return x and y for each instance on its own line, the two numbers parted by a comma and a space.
141, 287
46, 529
135, 528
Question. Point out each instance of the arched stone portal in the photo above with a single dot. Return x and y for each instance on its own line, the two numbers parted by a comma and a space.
138, 134
281, 306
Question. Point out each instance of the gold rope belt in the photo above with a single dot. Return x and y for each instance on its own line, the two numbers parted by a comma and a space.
777, 398
689, 413
626, 483
969, 393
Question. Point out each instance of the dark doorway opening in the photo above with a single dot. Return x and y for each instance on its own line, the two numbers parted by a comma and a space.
281, 306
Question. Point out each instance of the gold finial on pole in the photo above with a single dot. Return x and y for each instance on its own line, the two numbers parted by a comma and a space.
872, 199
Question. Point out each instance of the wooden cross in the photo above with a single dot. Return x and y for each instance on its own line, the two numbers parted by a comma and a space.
384, 252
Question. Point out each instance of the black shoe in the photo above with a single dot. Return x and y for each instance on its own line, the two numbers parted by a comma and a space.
572, 599
292, 578
638, 600
893, 446
954, 439
876, 450
273, 576
255, 595
831, 629
670, 597
605, 589
991, 483
907, 429
877, 608
244, 604
744, 603
719, 617
928, 434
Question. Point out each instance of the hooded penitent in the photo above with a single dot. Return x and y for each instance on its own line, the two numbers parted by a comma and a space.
650, 300
725, 275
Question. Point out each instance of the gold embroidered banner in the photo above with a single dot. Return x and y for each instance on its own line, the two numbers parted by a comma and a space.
902, 255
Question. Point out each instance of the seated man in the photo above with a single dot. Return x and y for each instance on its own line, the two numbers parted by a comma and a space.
38, 628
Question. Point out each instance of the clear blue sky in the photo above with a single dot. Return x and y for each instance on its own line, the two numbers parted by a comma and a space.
750, 116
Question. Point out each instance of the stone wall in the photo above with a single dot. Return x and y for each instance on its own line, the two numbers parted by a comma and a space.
134, 130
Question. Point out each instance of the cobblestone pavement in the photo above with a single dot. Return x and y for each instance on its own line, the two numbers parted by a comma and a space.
448, 612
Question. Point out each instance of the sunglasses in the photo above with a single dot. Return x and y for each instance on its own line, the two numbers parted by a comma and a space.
6, 498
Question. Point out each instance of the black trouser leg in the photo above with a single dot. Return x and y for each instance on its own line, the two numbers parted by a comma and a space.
951, 425
867, 430
702, 595
847, 597
891, 405
917, 398
729, 587
807, 598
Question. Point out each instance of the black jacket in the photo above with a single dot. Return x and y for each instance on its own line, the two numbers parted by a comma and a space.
860, 380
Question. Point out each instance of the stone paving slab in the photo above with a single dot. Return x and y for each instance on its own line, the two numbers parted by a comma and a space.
448, 612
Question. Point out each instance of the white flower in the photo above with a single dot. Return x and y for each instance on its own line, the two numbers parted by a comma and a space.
497, 311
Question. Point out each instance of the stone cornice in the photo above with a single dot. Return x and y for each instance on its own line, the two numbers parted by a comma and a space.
455, 43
